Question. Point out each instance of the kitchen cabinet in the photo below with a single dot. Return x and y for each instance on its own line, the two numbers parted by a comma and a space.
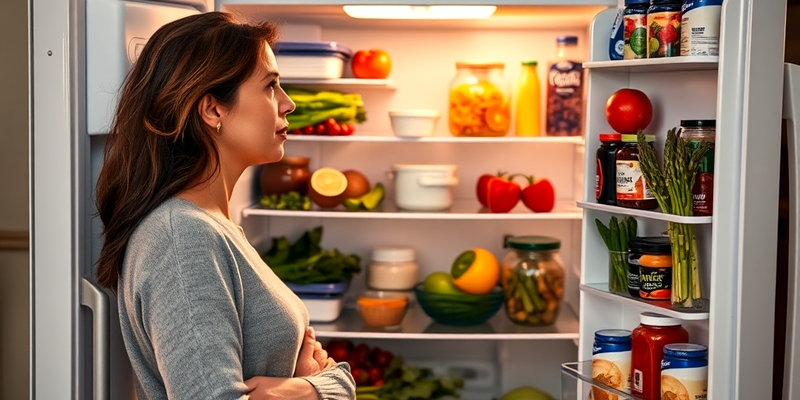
424, 54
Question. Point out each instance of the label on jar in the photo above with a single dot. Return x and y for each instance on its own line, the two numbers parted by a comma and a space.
684, 379
565, 99
635, 36
664, 34
703, 189
655, 282
700, 27
616, 44
633, 274
598, 179
611, 366
631, 184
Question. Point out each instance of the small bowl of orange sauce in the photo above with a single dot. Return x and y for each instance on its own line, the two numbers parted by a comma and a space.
382, 309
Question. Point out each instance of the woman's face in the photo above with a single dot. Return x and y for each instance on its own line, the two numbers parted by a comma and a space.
254, 129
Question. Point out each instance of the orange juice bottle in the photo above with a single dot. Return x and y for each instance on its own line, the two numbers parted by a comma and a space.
528, 111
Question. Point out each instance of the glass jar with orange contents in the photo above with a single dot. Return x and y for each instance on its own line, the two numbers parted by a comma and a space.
480, 100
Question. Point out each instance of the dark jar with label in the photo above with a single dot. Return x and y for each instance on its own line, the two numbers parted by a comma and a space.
655, 270
632, 190
696, 131
634, 22
647, 350
605, 181
636, 248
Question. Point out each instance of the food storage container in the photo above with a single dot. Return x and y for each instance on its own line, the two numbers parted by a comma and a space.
480, 100
414, 123
321, 307
533, 280
392, 268
422, 187
382, 309
311, 60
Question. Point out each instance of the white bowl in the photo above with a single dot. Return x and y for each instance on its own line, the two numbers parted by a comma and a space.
414, 123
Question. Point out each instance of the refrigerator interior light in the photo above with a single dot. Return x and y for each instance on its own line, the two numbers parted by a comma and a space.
418, 12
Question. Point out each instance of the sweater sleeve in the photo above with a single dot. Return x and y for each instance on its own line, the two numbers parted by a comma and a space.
334, 384
188, 312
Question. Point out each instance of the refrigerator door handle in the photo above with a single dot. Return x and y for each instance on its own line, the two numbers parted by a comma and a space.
97, 301
791, 112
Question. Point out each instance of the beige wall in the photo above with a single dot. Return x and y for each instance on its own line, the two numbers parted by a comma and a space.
14, 277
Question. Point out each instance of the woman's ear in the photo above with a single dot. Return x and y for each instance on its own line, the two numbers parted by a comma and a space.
210, 111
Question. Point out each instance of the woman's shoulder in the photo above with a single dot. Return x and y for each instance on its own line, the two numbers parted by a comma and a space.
177, 222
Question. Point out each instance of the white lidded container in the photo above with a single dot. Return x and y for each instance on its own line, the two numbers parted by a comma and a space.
414, 123
392, 268
424, 187
322, 308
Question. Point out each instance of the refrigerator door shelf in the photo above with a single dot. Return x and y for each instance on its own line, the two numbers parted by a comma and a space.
577, 383
654, 215
661, 307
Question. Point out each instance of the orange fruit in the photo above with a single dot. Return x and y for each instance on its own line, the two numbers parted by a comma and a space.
475, 271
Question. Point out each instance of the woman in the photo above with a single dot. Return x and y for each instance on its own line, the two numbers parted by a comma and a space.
202, 316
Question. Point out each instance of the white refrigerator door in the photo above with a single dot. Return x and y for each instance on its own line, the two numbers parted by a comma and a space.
70, 344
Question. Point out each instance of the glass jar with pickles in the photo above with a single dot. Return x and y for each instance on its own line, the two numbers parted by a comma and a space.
532, 279
480, 100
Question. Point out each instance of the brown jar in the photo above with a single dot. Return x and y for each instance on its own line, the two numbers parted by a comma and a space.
287, 175
632, 190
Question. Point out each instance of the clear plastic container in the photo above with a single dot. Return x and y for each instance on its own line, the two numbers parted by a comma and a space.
480, 100
533, 280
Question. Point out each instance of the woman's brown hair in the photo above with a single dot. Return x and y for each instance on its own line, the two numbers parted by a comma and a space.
158, 145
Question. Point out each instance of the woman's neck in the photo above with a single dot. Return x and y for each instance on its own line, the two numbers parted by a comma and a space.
213, 195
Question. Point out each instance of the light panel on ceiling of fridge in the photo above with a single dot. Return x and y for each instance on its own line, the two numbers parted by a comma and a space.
419, 12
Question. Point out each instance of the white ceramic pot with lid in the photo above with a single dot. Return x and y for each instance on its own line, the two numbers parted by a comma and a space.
424, 187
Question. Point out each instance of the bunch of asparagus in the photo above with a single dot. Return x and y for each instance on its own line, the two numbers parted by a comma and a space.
616, 237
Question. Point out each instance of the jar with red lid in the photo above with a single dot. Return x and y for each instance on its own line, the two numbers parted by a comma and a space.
647, 350
605, 179
632, 190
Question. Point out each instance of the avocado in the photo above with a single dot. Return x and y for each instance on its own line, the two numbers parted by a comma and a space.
367, 202
526, 393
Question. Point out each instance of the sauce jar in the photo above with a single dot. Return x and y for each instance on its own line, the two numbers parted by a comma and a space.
636, 247
611, 360
605, 182
664, 28
634, 19
684, 371
632, 190
480, 100
392, 268
290, 174
533, 280
655, 270
647, 350
696, 131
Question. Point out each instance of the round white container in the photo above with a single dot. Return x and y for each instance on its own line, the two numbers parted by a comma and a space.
392, 268
414, 123
424, 187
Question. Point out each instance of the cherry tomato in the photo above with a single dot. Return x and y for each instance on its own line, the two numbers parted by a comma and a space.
332, 127
347, 129
308, 130
371, 64
319, 129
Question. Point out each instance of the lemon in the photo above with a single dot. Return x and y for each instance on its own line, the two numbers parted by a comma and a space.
328, 182
440, 282
475, 271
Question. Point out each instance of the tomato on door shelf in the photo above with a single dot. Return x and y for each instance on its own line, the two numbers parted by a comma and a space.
502, 194
539, 195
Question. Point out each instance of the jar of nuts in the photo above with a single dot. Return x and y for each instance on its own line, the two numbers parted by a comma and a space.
533, 280
480, 100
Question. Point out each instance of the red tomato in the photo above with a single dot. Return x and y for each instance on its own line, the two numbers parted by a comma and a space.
308, 130
332, 127
539, 196
319, 129
482, 187
503, 195
628, 110
347, 129
371, 64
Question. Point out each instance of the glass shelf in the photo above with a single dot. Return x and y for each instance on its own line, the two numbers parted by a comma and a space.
655, 215
667, 64
438, 139
417, 325
577, 382
461, 210
661, 307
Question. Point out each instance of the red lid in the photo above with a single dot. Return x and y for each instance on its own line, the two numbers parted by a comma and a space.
610, 137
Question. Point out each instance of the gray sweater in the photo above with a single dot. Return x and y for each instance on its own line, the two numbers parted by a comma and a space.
200, 312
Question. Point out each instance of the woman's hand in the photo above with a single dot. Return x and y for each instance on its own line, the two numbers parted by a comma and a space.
312, 359
266, 388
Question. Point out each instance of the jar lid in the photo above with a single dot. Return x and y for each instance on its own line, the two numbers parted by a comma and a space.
613, 335
533, 243
629, 2
698, 123
631, 138
530, 63
567, 39
685, 350
488, 64
610, 137
650, 244
653, 319
393, 254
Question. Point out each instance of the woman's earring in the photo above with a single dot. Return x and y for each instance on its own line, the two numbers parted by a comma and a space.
219, 125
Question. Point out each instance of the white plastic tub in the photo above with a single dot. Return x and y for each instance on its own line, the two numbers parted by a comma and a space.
322, 308
414, 123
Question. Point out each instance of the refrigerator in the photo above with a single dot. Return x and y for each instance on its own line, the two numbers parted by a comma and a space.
81, 49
